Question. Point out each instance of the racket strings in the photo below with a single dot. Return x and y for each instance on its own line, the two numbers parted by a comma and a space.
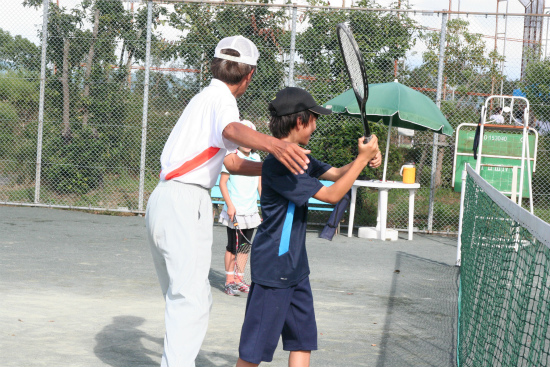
352, 61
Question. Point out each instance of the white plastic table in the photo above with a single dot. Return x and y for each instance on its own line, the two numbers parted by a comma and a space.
383, 188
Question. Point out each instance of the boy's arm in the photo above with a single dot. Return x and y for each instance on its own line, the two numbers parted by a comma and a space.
238, 166
289, 154
334, 173
334, 193
224, 177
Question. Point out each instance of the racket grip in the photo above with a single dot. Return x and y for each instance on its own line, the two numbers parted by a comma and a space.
367, 139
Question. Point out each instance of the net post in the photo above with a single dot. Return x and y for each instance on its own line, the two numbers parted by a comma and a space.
387, 150
145, 105
462, 194
41, 104
292, 46
442, 40
514, 184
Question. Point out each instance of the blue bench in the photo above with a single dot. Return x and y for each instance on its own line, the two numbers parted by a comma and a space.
314, 204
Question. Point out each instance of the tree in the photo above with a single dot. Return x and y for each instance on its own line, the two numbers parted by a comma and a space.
467, 59
382, 37
20, 59
204, 25
63, 27
536, 86
18, 53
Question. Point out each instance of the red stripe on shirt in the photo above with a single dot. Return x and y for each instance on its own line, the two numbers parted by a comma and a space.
190, 165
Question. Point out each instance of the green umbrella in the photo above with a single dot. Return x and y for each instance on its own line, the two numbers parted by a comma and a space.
396, 105
405, 107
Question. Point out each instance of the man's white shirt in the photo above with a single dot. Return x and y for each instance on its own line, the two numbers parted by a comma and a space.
199, 129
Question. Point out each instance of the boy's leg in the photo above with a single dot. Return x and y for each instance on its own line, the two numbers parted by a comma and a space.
299, 358
179, 227
300, 330
241, 363
264, 319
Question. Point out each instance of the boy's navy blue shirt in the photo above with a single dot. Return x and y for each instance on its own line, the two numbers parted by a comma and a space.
279, 257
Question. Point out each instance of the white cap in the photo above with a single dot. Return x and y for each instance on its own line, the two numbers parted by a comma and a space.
248, 124
244, 46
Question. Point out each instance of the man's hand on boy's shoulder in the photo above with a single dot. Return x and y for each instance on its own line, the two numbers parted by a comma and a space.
291, 155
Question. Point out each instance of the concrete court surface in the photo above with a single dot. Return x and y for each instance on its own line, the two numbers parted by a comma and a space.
78, 289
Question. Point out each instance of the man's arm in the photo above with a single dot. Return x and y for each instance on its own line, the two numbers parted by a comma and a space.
224, 177
289, 154
238, 166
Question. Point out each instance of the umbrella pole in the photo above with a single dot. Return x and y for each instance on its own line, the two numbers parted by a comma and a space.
387, 149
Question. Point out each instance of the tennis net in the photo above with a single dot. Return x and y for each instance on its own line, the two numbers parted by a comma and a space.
504, 296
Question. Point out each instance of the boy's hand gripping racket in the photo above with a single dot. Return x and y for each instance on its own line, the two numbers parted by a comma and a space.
355, 67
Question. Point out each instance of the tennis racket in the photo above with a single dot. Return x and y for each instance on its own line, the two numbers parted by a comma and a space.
242, 252
355, 67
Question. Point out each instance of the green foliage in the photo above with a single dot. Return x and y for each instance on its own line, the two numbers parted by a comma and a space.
206, 24
337, 145
8, 118
536, 86
382, 39
8, 114
21, 91
18, 107
18, 53
74, 167
466, 57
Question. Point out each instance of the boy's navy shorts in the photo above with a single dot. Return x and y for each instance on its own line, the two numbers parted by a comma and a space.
274, 312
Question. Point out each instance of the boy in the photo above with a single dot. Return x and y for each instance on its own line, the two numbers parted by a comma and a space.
280, 302
179, 211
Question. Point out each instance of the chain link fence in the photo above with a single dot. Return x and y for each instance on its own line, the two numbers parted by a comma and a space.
85, 112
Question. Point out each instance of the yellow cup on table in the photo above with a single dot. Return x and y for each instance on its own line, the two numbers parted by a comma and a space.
408, 171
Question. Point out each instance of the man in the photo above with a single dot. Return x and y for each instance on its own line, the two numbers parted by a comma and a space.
179, 212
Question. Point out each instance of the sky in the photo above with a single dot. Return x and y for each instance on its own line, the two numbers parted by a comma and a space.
19, 20
26, 22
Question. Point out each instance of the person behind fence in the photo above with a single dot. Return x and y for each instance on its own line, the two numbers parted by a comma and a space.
280, 302
241, 204
497, 117
179, 217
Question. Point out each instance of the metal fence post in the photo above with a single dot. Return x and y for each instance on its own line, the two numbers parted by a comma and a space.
45, 6
145, 106
292, 46
442, 39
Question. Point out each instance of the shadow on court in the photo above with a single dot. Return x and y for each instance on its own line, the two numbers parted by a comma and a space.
420, 326
122, 343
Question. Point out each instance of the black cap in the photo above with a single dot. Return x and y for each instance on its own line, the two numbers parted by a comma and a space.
292, 100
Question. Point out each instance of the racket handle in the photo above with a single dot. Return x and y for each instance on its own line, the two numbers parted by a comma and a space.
367, 139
